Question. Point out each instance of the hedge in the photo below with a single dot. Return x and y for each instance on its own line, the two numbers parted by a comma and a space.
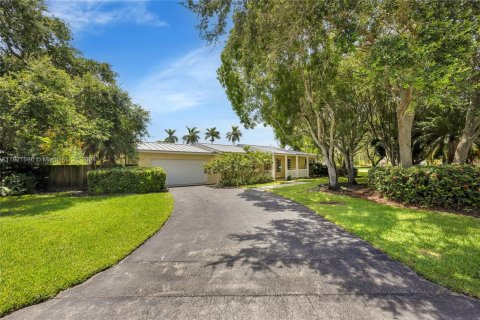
447, 186
126, 180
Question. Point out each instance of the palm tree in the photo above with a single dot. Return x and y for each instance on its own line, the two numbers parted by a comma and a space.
212, 134
234, 135
171, 138
438, 134
192, 136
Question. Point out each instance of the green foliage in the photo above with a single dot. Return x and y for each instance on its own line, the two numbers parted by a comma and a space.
234, 135
17, 184
326, 71
37, 109
52, 99
53, 241
126, 180
192, 136
171, 137
447, 186
212, 134
237, 169
114, 124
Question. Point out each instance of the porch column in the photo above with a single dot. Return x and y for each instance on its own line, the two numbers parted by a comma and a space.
296, 166
274, 163
286, 167
308, 168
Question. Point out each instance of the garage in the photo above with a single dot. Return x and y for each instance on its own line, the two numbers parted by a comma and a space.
182, 171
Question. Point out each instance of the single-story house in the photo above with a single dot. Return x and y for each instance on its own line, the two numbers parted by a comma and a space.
184, 162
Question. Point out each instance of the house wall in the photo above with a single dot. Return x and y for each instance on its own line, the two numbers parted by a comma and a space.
145, 160
280, 174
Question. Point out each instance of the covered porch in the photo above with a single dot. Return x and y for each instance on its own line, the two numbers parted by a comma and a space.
286, 166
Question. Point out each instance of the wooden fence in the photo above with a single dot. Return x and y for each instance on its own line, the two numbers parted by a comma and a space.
68, 177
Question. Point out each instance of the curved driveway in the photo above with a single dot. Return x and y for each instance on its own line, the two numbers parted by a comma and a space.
246, 254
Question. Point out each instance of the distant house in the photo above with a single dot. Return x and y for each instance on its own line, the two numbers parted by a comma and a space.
183, 162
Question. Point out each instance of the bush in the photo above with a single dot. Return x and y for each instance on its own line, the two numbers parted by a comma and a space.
342, 172
36, 170
126, 180
318, 169
17, 184
447, 186
237, 169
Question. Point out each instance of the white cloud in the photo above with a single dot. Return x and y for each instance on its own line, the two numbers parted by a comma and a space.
185, 83
84, 14
186, 92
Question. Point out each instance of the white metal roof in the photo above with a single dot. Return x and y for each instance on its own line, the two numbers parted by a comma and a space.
278, 150
171, 147
221, 147
211, 148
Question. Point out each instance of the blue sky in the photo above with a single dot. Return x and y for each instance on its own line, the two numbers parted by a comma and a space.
161, 61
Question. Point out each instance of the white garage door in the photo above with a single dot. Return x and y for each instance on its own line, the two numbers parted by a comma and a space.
182, 172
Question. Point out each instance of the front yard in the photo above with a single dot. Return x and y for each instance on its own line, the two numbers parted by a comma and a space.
443, 247
53, 241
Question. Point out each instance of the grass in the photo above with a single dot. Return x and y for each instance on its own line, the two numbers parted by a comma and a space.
442, 247
53, 241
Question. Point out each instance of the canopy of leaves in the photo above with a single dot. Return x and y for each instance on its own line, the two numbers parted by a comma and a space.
52, 98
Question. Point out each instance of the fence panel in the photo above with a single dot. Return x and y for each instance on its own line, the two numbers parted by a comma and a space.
68, 177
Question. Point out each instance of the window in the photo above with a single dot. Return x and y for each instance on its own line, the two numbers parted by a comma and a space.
278, 165
289, 164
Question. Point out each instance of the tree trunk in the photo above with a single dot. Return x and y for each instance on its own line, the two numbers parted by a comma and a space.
471, 131
451, 148
464, 146
405, 116
332, 175
332, 170
350, 169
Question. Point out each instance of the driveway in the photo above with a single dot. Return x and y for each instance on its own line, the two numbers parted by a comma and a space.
247, 254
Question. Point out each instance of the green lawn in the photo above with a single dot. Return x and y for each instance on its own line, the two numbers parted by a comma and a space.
442, 247
362, 177
53, 241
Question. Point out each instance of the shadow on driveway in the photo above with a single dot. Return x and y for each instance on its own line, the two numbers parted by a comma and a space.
345, 261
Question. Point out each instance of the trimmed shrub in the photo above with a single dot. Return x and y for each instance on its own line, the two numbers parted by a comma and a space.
447, 186
17, 184
237, 169
126, 180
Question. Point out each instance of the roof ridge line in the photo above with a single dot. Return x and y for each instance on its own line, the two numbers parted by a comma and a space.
204, 147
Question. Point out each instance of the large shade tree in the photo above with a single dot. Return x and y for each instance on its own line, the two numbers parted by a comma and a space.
471, 83
280, 65
53, 98
419, 49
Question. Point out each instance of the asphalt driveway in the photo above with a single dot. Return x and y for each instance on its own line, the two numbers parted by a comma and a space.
246, 254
